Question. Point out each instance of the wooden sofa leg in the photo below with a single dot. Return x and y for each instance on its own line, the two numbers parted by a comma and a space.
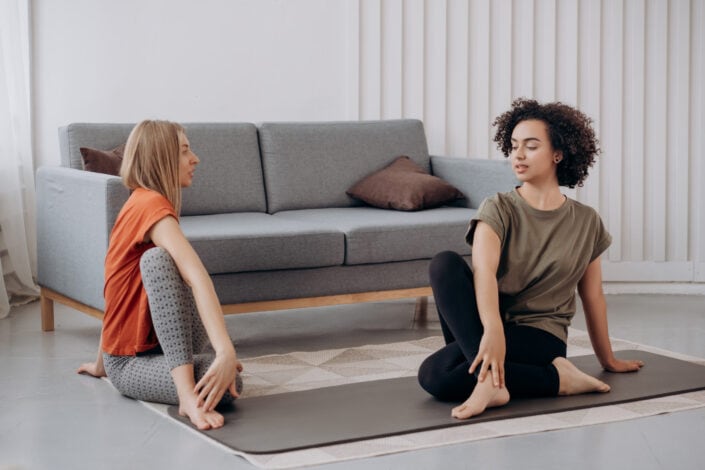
421, 313
47, 308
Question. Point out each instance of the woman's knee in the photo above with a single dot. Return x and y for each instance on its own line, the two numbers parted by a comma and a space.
238, 387
444, 374
159, 272
444, 263
156, 260
432, 378
426, 377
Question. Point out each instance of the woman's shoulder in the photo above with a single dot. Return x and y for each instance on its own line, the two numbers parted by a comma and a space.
583, 209
499, 200
143, 199
504, 204
144, 195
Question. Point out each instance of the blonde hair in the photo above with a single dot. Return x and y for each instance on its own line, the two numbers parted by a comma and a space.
151, 159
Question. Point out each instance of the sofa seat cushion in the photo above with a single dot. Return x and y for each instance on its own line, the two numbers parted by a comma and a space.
379, 235
249, 241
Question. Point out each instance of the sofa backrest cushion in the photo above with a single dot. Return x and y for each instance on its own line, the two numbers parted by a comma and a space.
311, 165
228, 178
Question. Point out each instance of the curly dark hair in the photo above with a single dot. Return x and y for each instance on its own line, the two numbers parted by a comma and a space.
570, 132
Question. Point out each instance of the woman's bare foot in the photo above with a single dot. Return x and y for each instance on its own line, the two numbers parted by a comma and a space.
573, 381
188, 400
485, 395
198, 415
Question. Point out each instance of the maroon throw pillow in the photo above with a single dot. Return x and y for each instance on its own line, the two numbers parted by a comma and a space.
403, 185
103, 161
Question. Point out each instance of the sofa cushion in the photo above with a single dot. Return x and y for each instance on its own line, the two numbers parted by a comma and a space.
250, 241
377, 235
103, 161
311, 165
93, 135
403, 185
476, 178
228, 178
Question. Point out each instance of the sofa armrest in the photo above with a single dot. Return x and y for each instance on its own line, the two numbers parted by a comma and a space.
76, 211
476, 178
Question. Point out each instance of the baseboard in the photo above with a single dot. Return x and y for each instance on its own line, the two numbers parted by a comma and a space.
613, 288
649, 272
699, 272
668, 288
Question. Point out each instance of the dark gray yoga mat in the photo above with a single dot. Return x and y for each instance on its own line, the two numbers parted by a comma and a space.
334, 415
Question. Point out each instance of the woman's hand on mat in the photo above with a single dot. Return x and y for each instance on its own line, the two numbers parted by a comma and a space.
92, 368
219, 377
623, 365
490, 356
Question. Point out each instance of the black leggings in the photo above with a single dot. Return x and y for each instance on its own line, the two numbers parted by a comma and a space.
530, 351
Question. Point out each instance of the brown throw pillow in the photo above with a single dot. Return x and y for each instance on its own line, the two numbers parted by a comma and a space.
103, 161
403, 185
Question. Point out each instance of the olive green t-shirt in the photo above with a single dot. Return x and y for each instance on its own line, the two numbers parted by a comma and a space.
543, 256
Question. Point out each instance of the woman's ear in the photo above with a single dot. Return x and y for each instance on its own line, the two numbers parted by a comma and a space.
557, 157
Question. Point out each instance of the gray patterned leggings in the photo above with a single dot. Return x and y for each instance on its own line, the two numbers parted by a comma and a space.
181, 335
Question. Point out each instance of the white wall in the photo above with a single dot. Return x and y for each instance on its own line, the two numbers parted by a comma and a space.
205, 60
635, 66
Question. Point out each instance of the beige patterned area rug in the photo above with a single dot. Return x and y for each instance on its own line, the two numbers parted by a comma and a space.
297, 371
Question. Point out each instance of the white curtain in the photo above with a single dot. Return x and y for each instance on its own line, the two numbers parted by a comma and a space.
17, 210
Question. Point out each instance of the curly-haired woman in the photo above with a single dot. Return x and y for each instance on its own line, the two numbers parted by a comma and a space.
505, 321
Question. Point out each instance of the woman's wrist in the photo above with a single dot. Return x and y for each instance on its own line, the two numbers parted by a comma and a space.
608, 362
226, 349
224, 353
493, 326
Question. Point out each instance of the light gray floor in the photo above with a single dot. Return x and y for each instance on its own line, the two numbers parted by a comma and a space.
51, 418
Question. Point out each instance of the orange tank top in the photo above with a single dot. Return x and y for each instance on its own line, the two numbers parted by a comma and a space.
127, 324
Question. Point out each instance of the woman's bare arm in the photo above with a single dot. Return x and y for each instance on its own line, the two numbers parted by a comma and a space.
96, 368
595, 307
221, 375
486, 249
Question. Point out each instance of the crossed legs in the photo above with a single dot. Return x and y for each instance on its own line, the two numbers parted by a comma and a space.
168, 376
535, 363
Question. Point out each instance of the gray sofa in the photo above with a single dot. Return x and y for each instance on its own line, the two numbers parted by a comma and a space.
267, 213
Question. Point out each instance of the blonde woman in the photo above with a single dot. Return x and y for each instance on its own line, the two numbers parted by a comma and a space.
161, 309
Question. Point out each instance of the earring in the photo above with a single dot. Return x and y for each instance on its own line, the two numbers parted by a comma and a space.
557, 160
